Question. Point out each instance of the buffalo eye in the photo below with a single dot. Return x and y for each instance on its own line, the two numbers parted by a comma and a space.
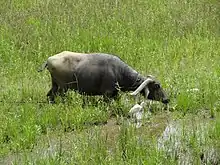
156, 86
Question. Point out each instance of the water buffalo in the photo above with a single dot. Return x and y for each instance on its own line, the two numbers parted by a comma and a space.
98, 74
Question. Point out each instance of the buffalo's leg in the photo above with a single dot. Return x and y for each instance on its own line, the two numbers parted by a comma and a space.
52, 92
62, 93
85, 101
110, 96
89, 100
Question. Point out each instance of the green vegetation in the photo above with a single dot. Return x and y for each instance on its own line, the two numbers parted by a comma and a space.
177, 41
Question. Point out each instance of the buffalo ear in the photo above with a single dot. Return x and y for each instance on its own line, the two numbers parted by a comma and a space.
156, 86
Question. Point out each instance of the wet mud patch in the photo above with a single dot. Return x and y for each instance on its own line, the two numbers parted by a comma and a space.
177, 138
56, 143
189, 140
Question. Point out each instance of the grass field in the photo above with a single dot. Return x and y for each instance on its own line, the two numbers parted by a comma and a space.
177, 41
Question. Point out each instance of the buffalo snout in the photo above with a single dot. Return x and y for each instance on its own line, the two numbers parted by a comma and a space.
165, 101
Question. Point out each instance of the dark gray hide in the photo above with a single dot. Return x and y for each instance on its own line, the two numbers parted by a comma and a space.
100, 74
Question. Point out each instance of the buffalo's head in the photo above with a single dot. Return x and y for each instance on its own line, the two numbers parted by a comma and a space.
152, 90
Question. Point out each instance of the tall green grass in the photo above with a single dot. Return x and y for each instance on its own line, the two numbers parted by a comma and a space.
177, 41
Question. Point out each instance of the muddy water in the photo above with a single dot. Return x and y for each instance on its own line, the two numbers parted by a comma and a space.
186, 141
48, 146
179, 139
